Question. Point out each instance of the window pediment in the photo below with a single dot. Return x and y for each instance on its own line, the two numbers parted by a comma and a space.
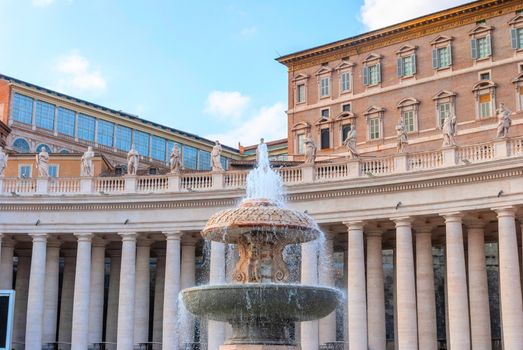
518, 78
443, 94
345, 116
518, 20
441, 39
300, 77
301, 126
324, 70
371, 58
374, 109
406, 49
407, 102
323, 120
484, 84
345, 65
481, 29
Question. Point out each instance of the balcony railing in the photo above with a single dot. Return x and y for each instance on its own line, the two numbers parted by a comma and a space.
291, 176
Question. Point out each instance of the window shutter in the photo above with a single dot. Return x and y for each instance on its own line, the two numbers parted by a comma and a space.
414, 63
435, 63
489, 47
399, 69
365, 75
449, 53
474, 48
514, 38
379, 72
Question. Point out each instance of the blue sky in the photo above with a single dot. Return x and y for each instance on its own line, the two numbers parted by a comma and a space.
206, 67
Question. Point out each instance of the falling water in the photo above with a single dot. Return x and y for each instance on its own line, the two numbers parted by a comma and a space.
262, 181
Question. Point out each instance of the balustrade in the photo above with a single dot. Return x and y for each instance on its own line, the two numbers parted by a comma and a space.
325, 172
427, 160
196, 181
476, 153
109, 184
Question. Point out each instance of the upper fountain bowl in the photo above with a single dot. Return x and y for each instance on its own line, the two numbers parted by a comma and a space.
261, 216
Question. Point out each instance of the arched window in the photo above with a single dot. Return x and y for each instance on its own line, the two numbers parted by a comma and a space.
47, 148
64, 151
21, 146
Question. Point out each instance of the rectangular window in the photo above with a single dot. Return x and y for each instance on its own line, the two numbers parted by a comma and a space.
204, 160
86, 126
520, 37
516, 36
485, 106
124, 138
22, 109
374, 74
325, 113
53, 170
481, 47
484, 76
190, 157
24, 171
66, 121
141, 142
346, 107
324, 87
225, 162
300, 93
408, 120
444, 57
44, 114
325, 138
345, 131
443, 109
374, 128
105, 133
345, 81
406, 66
301, 144
158, 145
520, 98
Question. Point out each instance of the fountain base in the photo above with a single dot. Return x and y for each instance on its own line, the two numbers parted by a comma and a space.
258, 347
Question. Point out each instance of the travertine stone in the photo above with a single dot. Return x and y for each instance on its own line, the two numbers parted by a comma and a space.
22, 288
141, 302
170, 334
112, 298
52, 270
158, 295
96, 298
375, 291
326, 276
66, 302
6, 263
187, 280
216, 330
125, 329
309, 276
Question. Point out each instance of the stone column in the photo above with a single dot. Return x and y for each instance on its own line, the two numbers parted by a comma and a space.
427, 327
6, 263
509, 281
171, 290
187, 280
326, 276
125, 326
143, 283
216, 330
35, 298
21, 287
111, 327
96, 294
375, 291
82, 279
356, 288
479, 302
66, 302
405, 286
458, 336
158, 295
52, 272
309, 276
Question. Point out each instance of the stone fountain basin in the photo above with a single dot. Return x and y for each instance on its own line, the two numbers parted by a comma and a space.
270, 302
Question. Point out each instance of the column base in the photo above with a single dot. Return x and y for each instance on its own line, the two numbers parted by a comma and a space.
258, 347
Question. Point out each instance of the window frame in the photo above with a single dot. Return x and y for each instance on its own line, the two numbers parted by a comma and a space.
375, 113
300, 79
404, 53
444, 97
410, 104
516, 33
44, 112
16, 110
481, 32
324, 73
82, 131
372, 61
483, 88
62, 114
102, 135
25, 165
439, 43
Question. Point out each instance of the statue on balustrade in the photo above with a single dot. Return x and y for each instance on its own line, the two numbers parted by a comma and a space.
350, 144
3, 160
449, 129
402, 137
175, 160
42, 163
87, 166
310, 150
216, 164
504, 120
133, 160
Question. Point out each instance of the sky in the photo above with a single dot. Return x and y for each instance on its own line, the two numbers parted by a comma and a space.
202, 66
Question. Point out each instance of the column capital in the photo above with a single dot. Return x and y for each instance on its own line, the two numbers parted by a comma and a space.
424, 229
128, 236
53, 243
189, 241
455, 216
474, 223
39, 237
83, 236
354, 224
8, 242
508, 211
173, 235
99, 242
114, 253
144, 242
402, 221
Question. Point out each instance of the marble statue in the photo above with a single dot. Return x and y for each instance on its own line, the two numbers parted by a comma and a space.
310, 150
350, 143
504, 120
133, 160
87, 166
262, 141
3, 161
402, 137
42, 163
449, 129
216, 164
175, 160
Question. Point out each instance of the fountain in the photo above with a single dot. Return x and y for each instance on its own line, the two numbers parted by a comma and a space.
262, 305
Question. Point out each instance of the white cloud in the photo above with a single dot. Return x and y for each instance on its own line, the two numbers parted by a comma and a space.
77, 75
248, 32
268, 122
226, 104
42, 3
380, 13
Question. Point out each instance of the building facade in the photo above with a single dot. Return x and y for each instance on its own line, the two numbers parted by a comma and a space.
426, 243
